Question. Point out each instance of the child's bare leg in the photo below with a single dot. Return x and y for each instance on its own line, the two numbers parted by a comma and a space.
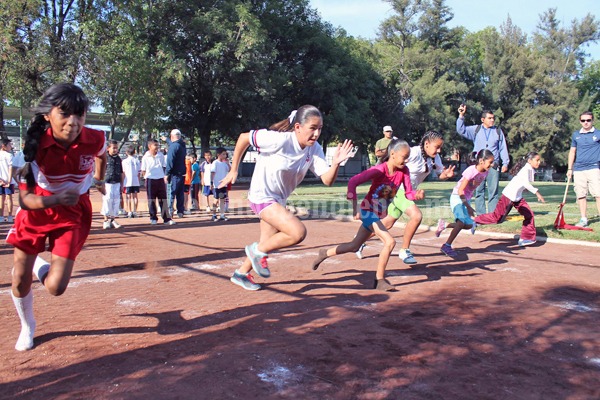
388, 246
415, 217
361, 236
456, 228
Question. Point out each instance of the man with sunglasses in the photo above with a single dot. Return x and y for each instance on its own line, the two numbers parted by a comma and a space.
486, 136
584, 164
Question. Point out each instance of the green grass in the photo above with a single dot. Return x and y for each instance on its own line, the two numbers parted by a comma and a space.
323, 199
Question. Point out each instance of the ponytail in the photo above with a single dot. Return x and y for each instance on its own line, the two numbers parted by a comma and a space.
519, 164
300, 116
482, 154
66, 96
395, 145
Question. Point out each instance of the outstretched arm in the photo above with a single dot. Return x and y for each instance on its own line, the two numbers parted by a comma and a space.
342, 153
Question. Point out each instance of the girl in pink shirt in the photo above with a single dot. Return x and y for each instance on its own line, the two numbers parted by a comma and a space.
461, 197
385, 179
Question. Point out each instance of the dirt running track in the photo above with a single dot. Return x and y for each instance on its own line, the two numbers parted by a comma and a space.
150, 314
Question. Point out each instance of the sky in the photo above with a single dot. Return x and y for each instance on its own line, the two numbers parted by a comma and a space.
361, 18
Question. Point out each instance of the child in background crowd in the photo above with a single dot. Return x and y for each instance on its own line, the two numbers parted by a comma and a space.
131, 183
114, 178
195, 189
219, 170
7, 183
206, 178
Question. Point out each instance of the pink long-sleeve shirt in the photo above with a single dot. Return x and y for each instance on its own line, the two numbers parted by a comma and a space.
384, 187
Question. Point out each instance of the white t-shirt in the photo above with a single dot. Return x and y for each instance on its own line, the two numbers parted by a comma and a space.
131, 169
205, 169
514, 190
220, 169
420, 167
6, 162
281, 165
18, 160
153, 166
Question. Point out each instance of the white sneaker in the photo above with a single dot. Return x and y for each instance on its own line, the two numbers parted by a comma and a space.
187, 212
106, 225
153, 222
115, 224
122, 212
208, 209
171, 222
583, 222
359, 254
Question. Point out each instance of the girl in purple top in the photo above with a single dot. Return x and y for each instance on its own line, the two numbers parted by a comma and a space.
461, 196
385, 179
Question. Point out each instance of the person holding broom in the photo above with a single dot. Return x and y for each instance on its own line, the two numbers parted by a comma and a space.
584, 164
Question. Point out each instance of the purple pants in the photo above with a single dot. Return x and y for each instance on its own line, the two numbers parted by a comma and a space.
503, 208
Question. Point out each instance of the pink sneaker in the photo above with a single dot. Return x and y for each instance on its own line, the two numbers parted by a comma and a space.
440, 228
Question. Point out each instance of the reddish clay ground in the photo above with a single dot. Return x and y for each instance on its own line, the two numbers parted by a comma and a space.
150, 313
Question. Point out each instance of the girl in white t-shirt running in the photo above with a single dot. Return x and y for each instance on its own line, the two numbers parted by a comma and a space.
287, 150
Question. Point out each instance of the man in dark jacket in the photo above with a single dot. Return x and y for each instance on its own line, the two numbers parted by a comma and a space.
175, 171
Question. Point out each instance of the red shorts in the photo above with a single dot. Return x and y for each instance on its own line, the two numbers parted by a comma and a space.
66, 227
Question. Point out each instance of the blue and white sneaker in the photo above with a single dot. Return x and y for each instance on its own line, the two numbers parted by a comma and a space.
258, 260
359, 254
448, 250
473, 227
407, 257
245, 281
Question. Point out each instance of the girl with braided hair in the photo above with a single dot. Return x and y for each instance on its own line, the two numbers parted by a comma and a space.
60, 154
512, 196
422, 160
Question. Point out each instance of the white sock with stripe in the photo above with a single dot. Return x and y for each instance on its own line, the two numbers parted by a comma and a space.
41, 268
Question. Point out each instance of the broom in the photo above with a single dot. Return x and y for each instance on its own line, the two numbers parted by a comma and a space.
559, 222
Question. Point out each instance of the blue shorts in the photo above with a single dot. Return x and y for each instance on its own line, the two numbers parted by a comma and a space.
368, 218
460, 210
206, 190
10, 189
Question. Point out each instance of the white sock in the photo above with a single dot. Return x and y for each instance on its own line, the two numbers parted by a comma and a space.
41, 268
24, 306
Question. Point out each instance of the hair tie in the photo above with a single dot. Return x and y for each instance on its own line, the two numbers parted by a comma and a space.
292, 117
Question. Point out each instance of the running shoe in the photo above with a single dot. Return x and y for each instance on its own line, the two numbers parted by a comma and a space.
171, 222
258, 260
114, 224
526, 242
473, 227
440, 227
153, 222
448, 250
359, 253
245, 281
407, 257
223, 218
106, 225
214, 218
583, 222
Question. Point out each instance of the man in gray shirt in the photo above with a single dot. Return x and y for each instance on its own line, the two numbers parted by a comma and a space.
486, 136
